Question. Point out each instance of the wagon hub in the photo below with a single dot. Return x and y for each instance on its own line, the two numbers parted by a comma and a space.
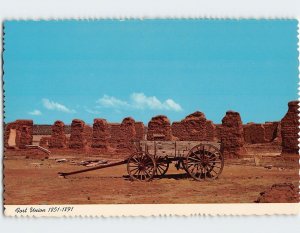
205, 162
141, 166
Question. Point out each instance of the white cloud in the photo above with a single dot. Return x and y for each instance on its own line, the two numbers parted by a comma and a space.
110, 101
51, 105
139, 101
35, 112
171, 104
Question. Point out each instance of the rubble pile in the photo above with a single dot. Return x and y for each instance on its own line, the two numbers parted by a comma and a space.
279, 193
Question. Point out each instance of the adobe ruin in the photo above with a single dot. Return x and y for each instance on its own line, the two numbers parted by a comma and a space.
100, 134
210, 131
18, 134
77, 139
139, 130
254, 133
127, 135
44, 142
271, 130
58, 138
290, 128
232, 135
192, 128
159, 128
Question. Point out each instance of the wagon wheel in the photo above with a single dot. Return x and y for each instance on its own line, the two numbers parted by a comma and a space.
162, 166
204, 162
141, 166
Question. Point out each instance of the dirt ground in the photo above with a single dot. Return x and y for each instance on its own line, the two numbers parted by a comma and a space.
33, 181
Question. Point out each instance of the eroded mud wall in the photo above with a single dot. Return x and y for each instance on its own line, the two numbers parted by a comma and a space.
100, 134
77, 138
254, 133
232, 137
58, 137
140, 130
127, 134
290, 128
159, 128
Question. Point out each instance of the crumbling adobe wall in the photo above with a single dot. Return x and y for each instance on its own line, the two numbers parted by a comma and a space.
179, 131
8, 127
210, 131
140, 130
115, 134
232, 137
278, 137
58, 137
100, 134
254, 133
159, 126
290, 128
218, 132
128, 134
23, 133
271, 130
47, 129
88, 135
193, 127
77, 139
44, 142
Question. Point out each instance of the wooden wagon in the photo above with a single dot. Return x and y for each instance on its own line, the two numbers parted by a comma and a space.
201, 160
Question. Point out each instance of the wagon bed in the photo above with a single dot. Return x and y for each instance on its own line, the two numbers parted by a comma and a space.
172, 148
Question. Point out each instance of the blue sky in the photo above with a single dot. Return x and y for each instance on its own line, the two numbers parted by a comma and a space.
113, 69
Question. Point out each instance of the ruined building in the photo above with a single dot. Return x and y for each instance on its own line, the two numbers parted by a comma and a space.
127, 134
290, 129
191, 128
18, 134
58, 138
232, 138
100, 134
159, 128
77, 139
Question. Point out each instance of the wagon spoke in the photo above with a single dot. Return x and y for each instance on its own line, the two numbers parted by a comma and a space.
147, 173
136, 171
198, 160
135, 160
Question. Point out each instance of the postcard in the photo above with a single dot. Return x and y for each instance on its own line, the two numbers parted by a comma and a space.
117, 117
